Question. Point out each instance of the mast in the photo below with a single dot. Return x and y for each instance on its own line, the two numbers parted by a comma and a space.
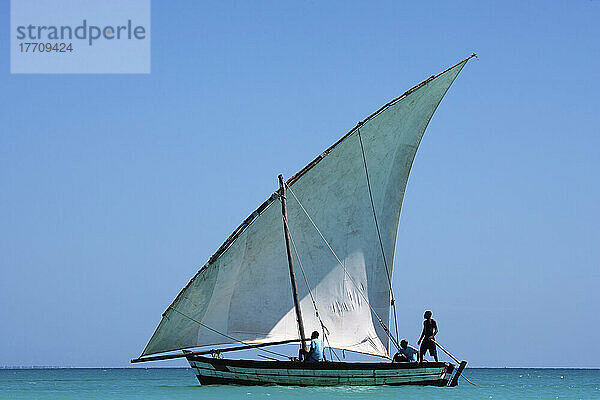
291, 264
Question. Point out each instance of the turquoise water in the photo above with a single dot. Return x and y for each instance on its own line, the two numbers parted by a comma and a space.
180, 383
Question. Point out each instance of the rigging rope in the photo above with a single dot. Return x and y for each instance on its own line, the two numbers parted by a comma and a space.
383, 325
223, 334
455, 359
387, 271
323, 327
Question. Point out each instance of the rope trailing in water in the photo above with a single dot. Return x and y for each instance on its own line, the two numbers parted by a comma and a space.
223, 334
454, 358
387, 271
383, 325
467, 379
323, 327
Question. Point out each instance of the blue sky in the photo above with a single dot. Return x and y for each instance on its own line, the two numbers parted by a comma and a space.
115, 189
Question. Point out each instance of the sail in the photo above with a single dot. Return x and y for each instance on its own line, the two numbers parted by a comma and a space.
243, 293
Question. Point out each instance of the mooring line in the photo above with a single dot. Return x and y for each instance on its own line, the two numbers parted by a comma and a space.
454, 358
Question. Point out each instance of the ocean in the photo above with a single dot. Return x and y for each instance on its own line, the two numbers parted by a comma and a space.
181, 384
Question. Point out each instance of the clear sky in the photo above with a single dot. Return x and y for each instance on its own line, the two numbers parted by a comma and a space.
115, 189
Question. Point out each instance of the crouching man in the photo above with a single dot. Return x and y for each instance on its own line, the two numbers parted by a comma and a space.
406, 353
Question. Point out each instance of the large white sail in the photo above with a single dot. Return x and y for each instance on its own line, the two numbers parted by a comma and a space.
244, 293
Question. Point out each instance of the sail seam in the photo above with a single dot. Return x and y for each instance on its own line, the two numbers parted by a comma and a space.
387, 271
383, 325
323, 327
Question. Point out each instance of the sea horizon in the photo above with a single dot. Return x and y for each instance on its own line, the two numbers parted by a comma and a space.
157, 383
8, 367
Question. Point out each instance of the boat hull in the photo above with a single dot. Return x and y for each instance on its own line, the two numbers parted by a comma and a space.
213, 371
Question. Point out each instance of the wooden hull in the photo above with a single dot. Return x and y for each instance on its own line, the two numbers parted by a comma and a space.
213, 371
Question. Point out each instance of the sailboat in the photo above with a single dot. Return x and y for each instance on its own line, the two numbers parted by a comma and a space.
334, 224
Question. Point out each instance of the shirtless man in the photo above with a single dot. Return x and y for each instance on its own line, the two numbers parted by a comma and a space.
427, 336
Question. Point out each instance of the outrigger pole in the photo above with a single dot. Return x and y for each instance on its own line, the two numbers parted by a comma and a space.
286, 230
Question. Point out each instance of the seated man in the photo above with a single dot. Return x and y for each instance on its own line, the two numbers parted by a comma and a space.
315, 354
406, 354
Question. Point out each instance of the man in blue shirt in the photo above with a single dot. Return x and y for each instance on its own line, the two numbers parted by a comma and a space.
315, 354
406, 353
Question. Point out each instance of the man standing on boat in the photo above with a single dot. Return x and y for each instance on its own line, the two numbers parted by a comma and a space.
430, 329
316, 353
